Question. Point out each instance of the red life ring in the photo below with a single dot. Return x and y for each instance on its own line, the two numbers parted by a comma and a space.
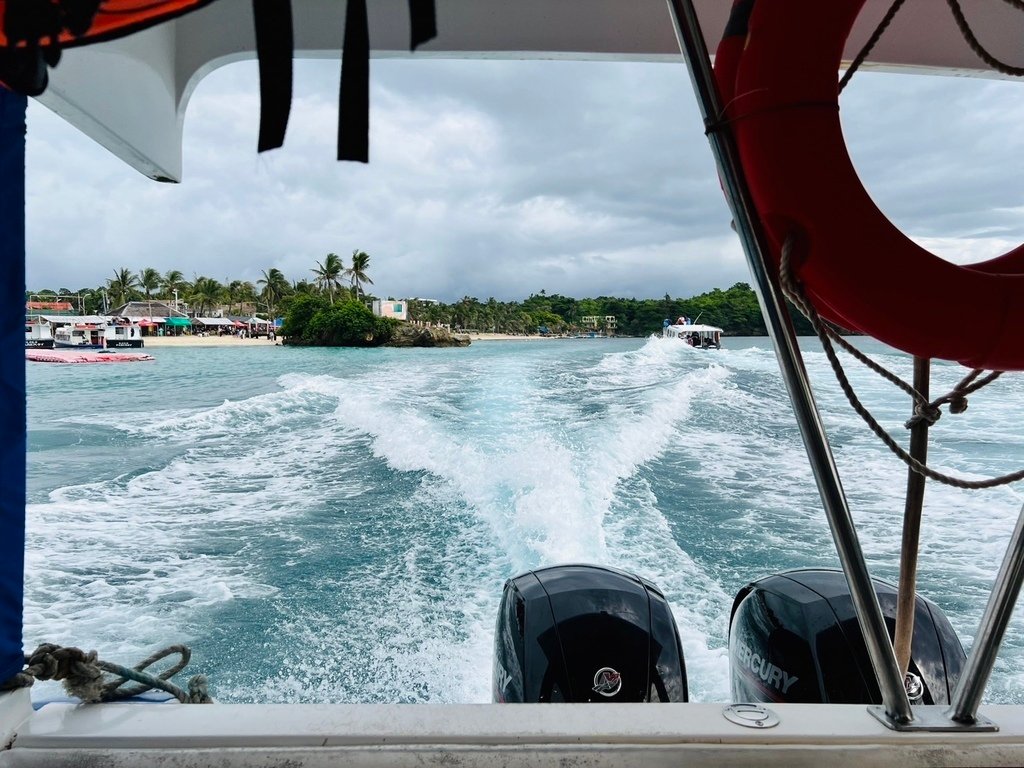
777, 75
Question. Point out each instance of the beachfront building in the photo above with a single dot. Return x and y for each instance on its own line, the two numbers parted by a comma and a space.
391, 308
607, 323
154, 317
216, 326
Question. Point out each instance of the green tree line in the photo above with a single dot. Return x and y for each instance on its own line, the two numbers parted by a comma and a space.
270, 294
734, 309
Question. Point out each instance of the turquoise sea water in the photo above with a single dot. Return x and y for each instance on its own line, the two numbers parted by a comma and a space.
336, 525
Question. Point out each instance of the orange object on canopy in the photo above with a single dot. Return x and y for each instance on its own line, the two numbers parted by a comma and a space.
36, 22
34, 32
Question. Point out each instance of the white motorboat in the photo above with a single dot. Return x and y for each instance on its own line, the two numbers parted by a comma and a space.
79, 332
38, 334
120, 333
694, 334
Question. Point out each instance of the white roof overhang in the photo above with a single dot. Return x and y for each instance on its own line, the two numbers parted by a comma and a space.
130, 95
674, 330
74, 319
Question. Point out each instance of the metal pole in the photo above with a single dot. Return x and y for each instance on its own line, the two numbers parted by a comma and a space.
975, 674
907, 591
780, 328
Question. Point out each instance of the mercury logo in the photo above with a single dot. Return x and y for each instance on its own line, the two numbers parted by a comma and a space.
607, 682
770, 674
501, 677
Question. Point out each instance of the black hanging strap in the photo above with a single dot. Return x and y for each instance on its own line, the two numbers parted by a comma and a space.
274, 48
422, 22
354, 99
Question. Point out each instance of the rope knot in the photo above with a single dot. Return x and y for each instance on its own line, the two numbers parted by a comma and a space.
924, 412
52, 662
83, 674
197, 690
928, 411
958, 404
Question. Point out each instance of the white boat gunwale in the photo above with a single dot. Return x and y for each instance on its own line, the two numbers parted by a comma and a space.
479, 734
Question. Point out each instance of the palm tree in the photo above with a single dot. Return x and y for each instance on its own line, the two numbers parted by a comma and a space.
149, 281
248, 294
357, 272
123, 286
327, 273
173, 281
274, 285
235, 293
206, 293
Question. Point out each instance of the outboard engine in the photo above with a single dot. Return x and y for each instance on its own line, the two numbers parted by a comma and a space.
578, 633
794, 637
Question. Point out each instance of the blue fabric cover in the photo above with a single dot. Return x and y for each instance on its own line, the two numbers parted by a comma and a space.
12, 379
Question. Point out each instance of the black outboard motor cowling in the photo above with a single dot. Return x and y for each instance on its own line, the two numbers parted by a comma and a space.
579, 633
794, 637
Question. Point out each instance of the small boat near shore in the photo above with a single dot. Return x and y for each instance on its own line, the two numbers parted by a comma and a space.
78, 336
76, 331
87, 332
123, 334
38, 334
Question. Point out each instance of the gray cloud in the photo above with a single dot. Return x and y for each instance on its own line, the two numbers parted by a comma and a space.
495, 178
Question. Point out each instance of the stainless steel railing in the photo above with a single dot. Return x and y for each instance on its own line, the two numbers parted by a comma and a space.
773, 307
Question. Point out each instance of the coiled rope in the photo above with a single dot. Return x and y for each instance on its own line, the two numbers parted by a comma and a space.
84, 675
923, 408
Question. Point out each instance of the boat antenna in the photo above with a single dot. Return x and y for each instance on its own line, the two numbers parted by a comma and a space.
694, 321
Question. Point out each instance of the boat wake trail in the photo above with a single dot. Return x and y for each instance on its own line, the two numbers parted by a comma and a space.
546, 467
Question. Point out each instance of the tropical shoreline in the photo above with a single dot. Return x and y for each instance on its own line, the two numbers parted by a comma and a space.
207, 341
233, 341
507, 337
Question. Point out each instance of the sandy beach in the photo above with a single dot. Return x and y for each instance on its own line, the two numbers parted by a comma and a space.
207, 341
508, 337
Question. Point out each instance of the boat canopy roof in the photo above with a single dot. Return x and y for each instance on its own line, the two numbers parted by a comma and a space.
695, 328
74, 319
161, 66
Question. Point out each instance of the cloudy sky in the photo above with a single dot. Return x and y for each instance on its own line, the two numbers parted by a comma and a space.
498, 178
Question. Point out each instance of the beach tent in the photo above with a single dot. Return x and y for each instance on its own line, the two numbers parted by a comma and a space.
178, 321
